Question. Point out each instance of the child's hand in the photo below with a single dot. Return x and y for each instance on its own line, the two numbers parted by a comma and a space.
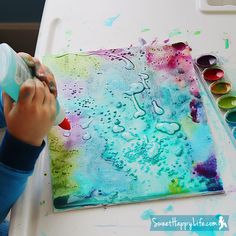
40, 71
30, 119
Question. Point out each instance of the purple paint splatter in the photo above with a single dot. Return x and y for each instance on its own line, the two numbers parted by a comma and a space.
195, 107
207, 168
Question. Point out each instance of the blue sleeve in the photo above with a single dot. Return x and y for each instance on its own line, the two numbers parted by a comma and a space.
17, 160
2, 118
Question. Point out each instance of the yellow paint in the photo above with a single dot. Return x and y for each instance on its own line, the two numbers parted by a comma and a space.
63, 165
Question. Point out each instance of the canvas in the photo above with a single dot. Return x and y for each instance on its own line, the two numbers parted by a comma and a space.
139, 128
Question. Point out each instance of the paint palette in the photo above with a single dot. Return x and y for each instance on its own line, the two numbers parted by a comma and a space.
139, 128
220, 89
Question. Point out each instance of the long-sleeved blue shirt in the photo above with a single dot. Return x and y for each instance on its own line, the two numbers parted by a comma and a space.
17, 160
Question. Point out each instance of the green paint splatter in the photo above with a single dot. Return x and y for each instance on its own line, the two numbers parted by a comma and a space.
174, 32
63, 165
145, 30
68, 32
175, 187
147, 214
226, 43
196, 33
66, 63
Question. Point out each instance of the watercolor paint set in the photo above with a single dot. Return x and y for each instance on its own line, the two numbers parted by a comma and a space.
220, 89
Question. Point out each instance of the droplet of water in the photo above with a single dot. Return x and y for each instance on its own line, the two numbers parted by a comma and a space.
167, 127
67, 133
118, 129
85, 125
135, 88
128, 136
86, 136
119, 105
158, 110
139, 113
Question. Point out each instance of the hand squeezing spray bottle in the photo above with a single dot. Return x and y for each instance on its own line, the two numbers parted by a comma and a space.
13, 72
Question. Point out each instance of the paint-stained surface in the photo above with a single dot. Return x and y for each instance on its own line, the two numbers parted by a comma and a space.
139, 130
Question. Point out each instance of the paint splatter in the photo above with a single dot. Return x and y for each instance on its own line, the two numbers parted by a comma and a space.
196, 108
109, 21
226, 43
207, 168
169, 208
197, 33
174, 32
133, 138
147, 214
166, 40
142, 41
145, 30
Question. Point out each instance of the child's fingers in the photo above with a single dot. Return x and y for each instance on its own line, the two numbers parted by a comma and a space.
50, 102
41, 71
40, 91
44, 74
27, 91
28, 59
51, 82
46, 100
53, 106
7, 103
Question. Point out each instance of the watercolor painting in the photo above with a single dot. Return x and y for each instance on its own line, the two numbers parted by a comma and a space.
139, 128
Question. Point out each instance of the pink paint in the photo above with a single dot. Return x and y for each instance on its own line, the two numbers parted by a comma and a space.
180, 46
168, 57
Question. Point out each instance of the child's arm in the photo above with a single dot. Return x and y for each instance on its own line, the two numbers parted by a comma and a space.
13, 175
28, 121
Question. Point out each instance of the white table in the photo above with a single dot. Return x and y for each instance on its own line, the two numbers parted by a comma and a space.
75, 25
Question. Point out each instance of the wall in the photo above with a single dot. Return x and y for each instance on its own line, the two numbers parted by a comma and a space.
19, 23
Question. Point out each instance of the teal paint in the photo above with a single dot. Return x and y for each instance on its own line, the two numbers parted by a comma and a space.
174, 32
147, 214
109, 21
169, 208
139, 128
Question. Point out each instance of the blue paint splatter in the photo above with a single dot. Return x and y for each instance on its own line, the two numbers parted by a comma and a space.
109, 21
147, 214
169, 208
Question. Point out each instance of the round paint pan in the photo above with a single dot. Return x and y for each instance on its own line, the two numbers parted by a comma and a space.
230, 117
205, 61
227, 102
213, 74
220, 87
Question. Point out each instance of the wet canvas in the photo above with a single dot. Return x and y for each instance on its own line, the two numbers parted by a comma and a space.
139, 128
